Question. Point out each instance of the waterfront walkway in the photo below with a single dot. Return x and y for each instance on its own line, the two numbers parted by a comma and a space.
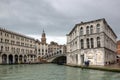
112, 68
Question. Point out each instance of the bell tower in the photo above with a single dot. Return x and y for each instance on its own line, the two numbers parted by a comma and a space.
43, 39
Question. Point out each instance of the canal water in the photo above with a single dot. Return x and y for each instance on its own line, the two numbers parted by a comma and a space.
52, 72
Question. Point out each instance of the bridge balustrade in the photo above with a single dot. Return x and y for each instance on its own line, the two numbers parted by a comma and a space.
51, 55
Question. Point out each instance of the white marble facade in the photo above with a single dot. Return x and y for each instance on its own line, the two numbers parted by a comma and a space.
94, 41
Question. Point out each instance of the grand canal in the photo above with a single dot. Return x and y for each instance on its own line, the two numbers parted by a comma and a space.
52, 72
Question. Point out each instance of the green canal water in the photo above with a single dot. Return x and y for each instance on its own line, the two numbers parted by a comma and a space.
52, 72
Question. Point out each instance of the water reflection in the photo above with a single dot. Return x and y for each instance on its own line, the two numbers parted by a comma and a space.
52, 72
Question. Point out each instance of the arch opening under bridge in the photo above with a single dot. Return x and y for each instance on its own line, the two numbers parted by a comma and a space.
61, 60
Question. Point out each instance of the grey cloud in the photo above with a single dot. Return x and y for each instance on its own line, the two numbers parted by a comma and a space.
57, 17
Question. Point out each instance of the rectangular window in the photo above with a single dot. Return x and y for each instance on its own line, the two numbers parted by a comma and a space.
82, 44
17, 37
22, 44
6, 48
18, 43
88, 45
1, 33
31, 45
12, 42
42, 50
6, 41
1, 40
92, 43
22, 39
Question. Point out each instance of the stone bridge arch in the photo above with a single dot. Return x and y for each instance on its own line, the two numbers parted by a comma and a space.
58, 60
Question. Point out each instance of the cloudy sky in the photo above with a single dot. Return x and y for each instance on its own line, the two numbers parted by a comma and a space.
56, 17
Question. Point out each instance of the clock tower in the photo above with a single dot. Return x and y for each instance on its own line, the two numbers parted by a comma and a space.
43, 39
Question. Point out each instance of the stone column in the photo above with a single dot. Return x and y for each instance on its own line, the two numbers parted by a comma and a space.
13, 58
7, 59
96, 58
0, 59
26, 59
68, 58
85, 43
78, 43
102, 41
22, 59
79, 59
33, 59
74, 58
95, 42
18, 59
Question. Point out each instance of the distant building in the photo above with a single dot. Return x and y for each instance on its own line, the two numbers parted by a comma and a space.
16, 48
118, 50
94, 41
63, 48
118, 47
42, 47
55, 48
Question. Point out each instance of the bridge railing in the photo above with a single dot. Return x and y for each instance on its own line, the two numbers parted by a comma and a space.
51, 55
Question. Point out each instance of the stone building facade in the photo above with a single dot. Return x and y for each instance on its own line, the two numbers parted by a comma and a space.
55, 48
63, 48
94, 41
118, 48
16, 48
118, 51
41, 47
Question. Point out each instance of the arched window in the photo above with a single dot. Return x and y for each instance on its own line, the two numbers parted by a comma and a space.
1, 40
98, 28
39, 50
1, 48
91, 29
92, 43
81, 31
42, 50
88, 44
82, 44
87, 30
98, 42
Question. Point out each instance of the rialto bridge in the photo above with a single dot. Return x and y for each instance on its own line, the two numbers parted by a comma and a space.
58, 58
